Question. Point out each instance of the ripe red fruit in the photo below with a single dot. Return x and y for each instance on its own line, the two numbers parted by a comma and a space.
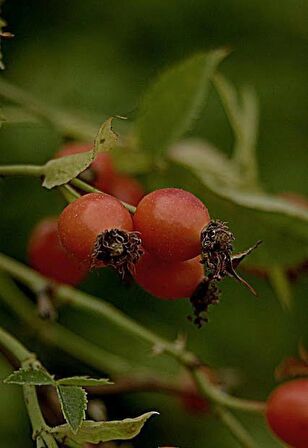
97, 229
165, 280
170, 221
127, 189
102, 166
48, 257
287, 412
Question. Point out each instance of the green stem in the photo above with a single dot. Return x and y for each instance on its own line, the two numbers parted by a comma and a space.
69, 194
58, 336
69, 125
26, 358
14, 346
89, 189
34, 410
236, 428
21, 170
81, 300
218, 396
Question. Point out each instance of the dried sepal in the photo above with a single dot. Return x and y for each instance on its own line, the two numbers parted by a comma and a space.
119, 249
207, 293
219, 262
216, 253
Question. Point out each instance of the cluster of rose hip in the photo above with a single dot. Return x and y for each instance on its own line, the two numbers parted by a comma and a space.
158, 245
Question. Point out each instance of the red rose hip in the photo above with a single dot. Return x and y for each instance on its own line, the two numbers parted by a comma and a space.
48, 257
287, 412
173, 280
97, 229
170, 222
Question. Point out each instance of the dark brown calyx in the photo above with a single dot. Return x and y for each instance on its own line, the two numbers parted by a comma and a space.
207, 293
216, 249
219, 262
119, 249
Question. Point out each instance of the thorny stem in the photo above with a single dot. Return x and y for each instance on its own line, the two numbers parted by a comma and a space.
81, 300
26, 358
57, 335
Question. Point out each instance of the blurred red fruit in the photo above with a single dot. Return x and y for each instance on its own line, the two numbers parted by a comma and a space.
127, 189
48, 257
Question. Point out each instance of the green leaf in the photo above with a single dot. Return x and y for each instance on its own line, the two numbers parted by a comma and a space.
242, 112
73, 401
31, 376
283, 227
106, 138
84, 381
96, 432
60, 171
174, 101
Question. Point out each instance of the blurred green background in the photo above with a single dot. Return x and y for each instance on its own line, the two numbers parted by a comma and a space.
95, 58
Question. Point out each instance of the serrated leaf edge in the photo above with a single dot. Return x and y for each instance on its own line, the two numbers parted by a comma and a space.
85, 402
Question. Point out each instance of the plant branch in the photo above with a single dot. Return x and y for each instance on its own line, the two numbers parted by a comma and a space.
14, 347
69, 193
26, 358
235, 427
21, 170
216, 395
81, 300
57, 335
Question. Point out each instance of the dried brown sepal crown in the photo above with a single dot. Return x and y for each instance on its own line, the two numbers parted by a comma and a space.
119, 249
219, 262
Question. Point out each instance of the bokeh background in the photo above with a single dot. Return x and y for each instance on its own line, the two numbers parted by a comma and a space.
95, 58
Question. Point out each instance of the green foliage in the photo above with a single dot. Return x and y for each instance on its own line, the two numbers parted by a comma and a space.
243, 117
73, 401
72, 396
106, 138
31, 376
96, 432
61, 170
173, 102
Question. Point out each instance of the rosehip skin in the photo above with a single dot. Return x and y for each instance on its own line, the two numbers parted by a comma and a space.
168, 280
170, 221
48, 257
287, 412
102, 166
83, 220
127, 189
